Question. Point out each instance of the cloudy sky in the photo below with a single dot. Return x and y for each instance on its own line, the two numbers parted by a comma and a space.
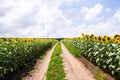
58, 18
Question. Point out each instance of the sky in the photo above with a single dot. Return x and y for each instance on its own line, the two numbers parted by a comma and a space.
59, 18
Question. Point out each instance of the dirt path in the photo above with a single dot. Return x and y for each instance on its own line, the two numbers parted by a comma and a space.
74, 69
41, 69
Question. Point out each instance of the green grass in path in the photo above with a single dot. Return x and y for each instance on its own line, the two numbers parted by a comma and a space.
72, 49
56, 69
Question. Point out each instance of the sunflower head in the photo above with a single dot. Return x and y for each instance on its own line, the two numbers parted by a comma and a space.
83, 34
15, 40
107, 38
4, 39
95, 38
103, 39
117, 39
90, 37
25, 40
115, 36
86, 36
99, 38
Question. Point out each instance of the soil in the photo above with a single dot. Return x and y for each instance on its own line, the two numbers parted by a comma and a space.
34, 70
41, 69
23, 71
74, 68
92, 68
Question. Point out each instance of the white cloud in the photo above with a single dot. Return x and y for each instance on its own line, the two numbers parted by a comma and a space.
107, 9
36, 17
117, 15
44, 18
85, 14
92, 12
92, 23
108, 27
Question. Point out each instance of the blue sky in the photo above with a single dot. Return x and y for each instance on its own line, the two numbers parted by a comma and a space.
59, 18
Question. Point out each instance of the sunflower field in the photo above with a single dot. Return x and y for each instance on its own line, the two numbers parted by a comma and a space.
103, 51
16, 52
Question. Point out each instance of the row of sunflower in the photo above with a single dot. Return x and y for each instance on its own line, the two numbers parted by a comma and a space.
16, 39
115, 39
103, 51
26, 40
17, 52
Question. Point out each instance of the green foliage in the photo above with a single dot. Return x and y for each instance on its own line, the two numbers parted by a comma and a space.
14, 55
99, 76
71, 48
42, 56
105, 55
56, 69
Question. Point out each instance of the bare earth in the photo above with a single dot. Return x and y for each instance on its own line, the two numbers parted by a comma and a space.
75, 70
41, 69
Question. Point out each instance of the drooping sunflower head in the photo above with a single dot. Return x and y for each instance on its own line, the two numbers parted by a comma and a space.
4, 39
15, 40
115, 36
83, 34
87, 36
92, 35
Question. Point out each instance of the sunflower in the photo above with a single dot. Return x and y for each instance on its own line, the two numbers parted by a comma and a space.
87, 37
107, 38
99, 38
115, 36
15, 40
26, 41
96, 38
90, 37
83, 34
4, 39
103, 39
1, 40
117, 39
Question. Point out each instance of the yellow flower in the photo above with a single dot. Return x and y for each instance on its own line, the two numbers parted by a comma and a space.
115, 36
103, 40
3, 39
107, 38
83, 34
117, 39
96, 38
15, 40
99, 38
25, 40
90, 37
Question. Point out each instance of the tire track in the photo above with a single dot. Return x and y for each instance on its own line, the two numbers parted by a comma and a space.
74, 69
40, 72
